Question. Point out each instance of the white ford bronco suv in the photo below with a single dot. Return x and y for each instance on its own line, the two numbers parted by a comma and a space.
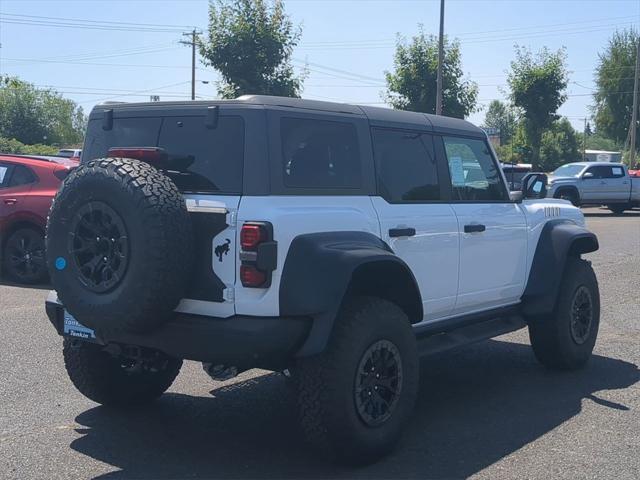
336, 243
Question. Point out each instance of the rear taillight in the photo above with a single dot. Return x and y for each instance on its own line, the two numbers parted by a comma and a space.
251, 235
258, 254
251, 276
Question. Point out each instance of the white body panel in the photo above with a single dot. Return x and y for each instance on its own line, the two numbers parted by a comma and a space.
493, 263
432, 254
292, 216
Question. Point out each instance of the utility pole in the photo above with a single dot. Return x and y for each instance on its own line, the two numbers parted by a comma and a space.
440, 61
634, 113
584, 141
192, 43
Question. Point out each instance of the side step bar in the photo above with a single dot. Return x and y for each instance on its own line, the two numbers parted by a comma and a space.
430, 343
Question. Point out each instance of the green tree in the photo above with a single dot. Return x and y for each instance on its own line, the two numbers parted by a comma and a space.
412, 84
38, 116
614, 84
250, 42
538, 84
503, 117
560, 144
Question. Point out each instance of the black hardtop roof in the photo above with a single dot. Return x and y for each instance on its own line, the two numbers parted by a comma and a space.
376, 115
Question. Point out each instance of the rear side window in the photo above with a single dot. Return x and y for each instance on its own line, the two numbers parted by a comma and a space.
617, 172
210, 160
405, 166
21, 176
320, 154
475, 177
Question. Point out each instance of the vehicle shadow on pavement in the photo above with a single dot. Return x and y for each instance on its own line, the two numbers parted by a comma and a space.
607, 213
476, 406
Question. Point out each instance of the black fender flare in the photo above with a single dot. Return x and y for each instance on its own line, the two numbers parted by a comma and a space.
558, 240
318, 274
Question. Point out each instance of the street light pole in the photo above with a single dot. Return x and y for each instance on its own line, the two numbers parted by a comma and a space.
440, 61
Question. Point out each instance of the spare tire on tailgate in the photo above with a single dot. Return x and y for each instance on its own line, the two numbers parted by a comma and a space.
119, 245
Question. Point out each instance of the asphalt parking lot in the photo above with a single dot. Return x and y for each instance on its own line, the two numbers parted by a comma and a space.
486, 411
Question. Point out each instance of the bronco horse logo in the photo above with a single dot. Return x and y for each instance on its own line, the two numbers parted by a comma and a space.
222, 249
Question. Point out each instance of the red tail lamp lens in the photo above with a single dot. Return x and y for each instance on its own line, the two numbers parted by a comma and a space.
251, 276
251, 236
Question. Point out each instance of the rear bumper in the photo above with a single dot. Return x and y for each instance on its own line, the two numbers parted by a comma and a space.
240, 341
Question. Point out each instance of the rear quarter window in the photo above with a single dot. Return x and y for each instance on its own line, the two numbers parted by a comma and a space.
320, 154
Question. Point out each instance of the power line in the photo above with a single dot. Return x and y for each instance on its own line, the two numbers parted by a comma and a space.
84, 20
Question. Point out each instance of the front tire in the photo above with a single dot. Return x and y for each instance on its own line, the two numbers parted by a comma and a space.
356, 397
565, 340
570, 196
116, 380
618, 209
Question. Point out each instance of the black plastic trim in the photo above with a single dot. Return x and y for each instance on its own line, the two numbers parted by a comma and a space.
240, 341
559, 239
317, 275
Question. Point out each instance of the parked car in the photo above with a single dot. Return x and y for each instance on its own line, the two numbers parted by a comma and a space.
595, 183
27, 187
514, 173
334, 242
73, 153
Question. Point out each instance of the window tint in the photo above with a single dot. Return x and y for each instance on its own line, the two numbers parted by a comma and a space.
126, 132
3, 173
600, 171
21, 176
474, 174
405, 168
203, 159
320, 154
617, 172
206, 159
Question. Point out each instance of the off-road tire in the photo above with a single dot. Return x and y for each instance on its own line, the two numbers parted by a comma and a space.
551, 337
617, 208
155, 244
571, 196
23, 256
326, 383
101, 377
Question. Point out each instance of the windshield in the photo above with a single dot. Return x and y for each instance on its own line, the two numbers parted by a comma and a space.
568, 171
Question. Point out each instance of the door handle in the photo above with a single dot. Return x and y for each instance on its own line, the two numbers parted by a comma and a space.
10, 201
402, 232
474, 228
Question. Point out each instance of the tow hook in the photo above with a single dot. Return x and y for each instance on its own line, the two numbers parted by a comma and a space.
220, 373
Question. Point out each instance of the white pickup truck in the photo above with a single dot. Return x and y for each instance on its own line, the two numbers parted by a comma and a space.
595, 183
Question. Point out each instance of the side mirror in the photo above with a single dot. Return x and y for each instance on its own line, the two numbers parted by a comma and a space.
534, 185
587, 175
515, 196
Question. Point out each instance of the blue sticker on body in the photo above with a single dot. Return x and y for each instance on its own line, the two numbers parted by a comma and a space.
73, 328
61, 263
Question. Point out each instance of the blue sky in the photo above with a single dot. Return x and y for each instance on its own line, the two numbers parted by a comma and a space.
347, 45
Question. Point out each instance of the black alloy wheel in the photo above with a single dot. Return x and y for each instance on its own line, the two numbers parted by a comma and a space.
24, 256
581, 315
378, 383
99, 246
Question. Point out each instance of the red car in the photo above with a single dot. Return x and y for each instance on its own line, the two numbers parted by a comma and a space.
27, 187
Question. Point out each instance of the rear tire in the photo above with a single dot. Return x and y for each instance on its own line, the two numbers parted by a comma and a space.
23, 257
349, 410
618, 209
116, 380
565, 340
